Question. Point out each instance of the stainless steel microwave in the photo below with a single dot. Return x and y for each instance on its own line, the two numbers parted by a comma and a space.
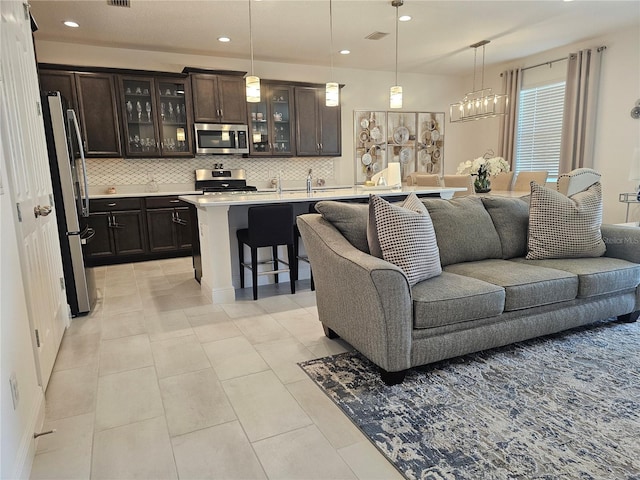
221, 139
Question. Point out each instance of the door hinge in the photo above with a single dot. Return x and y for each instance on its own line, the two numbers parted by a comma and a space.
38, 109
51, 199
37, 338
19, 212
61, 283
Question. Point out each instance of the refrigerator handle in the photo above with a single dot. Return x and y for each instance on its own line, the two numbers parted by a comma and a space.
71, 115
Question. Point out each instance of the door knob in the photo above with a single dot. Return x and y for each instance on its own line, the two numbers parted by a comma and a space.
42, 211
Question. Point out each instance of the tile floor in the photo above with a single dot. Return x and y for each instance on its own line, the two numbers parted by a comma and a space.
159, 383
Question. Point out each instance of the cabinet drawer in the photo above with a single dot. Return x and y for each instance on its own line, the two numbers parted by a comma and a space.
109, 204
164, 202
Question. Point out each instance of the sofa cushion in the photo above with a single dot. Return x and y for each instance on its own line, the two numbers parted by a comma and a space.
349, 218
464, 230
510, 217
565, 227
450, 298
526, 286
403, 235
596, 276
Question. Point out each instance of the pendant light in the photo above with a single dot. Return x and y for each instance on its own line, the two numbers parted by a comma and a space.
251, 81
395, 93
478, 104
332, 89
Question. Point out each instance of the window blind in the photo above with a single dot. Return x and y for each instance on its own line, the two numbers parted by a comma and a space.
540, 129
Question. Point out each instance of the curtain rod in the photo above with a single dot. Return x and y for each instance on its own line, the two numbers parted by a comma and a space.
551, 62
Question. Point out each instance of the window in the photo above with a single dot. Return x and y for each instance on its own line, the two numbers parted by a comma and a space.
540, 129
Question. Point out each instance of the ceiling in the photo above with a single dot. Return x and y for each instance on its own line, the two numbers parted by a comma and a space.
435, 41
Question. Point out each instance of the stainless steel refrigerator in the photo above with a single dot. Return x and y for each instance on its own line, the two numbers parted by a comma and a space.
71, 199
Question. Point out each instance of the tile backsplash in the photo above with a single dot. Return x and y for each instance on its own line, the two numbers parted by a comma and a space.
138, 171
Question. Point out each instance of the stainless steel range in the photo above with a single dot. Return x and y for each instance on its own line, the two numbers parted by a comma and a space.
221, 181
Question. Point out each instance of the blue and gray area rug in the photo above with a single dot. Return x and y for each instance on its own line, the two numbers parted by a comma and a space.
565, 406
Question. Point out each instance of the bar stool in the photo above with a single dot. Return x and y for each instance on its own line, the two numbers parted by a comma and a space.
303, 258
269, 226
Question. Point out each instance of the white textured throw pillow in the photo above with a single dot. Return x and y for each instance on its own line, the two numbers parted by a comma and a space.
565, 227
405, 237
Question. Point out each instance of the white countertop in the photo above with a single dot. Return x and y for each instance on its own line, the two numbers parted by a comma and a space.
254, 198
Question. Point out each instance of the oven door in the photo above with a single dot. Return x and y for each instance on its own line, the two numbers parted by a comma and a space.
221, 139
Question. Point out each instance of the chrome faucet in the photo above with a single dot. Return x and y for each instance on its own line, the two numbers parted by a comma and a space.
309, 182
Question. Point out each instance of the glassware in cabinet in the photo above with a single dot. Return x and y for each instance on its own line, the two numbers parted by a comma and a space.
270, 122
141, 129
173, 117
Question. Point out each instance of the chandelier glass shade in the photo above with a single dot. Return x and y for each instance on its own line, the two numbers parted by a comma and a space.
478, 104
332, 89
252, 82
395, 92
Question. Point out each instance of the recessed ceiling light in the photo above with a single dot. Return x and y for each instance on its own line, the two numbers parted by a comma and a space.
71, 23
345, 52
404, 18
224, 39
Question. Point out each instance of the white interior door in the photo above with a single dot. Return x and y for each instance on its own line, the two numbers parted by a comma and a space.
25, 153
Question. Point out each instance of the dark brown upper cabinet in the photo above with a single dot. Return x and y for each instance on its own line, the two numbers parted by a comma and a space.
271, 122
318, 127
218, 98
93, 97
157, 116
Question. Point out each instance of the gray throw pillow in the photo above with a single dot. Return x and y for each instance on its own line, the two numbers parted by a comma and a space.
464, 230
565, 227
510, 216
349, 218
406, 238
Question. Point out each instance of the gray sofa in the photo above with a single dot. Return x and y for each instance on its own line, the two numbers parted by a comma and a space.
487, 296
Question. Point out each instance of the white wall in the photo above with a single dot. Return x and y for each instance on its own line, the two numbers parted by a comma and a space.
363, 89
617, 133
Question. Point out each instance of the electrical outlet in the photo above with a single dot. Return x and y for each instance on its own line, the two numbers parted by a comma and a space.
15, 393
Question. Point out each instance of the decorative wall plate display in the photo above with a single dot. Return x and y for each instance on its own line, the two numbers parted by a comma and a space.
415, 139
370, 145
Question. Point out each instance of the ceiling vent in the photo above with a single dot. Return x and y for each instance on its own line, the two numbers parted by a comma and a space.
119, 3
376, 35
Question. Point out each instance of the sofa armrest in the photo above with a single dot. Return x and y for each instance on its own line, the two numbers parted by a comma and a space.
622, 242
364, 299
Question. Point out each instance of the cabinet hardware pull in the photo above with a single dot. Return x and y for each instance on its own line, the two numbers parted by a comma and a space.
174, 201
221, 113
111, 204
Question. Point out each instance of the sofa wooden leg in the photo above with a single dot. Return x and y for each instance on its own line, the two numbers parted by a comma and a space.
392, 378
629, 317
329, 333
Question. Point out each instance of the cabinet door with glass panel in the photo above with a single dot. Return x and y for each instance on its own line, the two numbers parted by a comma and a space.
157, 117
271, 122
174, 117
138, 110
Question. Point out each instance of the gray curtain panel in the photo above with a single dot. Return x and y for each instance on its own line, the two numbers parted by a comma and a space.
511, 85
580, 102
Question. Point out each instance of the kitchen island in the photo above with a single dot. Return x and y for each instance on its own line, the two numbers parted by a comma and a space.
221, 215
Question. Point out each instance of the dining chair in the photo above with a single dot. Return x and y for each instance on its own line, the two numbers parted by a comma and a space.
269, 226
459, 181
576, 181
524, 179
423, 180
502, 182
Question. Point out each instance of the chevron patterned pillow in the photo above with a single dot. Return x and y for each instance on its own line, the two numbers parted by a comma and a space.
565, 227
405, 237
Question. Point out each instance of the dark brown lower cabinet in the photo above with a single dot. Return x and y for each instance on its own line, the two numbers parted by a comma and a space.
169, 229
138, 229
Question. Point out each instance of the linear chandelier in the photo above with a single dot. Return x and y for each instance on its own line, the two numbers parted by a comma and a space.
251, 81
481, 103
395, 92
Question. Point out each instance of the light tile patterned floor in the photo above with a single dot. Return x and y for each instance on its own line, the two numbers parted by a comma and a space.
159, 383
